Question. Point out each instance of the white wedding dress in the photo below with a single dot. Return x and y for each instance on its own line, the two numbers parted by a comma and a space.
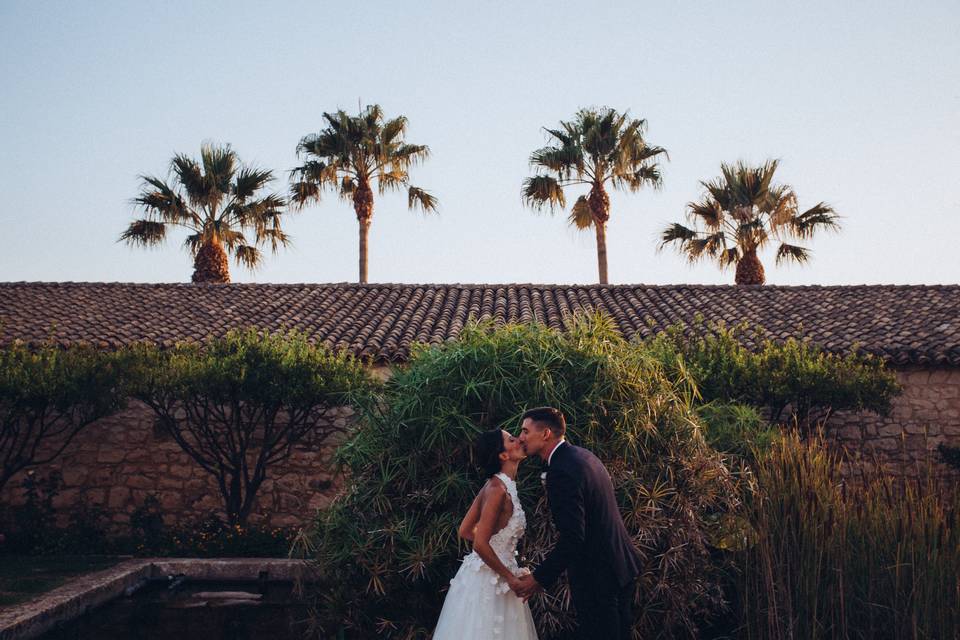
480, 604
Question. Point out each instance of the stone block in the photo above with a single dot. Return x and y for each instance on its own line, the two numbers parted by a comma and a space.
885, 444
180, 471
74, 475
66, 499
140, 482
118, 497
889, 430
166, 482
110, 455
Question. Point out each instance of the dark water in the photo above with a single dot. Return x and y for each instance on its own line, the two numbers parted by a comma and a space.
156, 612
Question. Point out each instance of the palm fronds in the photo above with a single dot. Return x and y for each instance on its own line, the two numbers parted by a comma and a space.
741, 212
216, 199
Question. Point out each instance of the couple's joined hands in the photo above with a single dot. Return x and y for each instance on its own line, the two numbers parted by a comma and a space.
525, 586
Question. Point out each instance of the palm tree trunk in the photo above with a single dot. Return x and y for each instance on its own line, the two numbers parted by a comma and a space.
750, 269
363, 207
211, 264
364, 233
599, 204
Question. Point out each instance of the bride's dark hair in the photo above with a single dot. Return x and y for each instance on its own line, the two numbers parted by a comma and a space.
488, 448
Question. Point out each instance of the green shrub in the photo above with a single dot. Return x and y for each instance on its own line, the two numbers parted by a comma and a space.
788, 379
237, 405
34, 523
875, 558
388, 545
48, 394
737, 429
206, 538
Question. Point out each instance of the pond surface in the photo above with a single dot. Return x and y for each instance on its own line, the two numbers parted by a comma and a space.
194, 610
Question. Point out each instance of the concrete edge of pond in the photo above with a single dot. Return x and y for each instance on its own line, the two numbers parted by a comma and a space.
70, 600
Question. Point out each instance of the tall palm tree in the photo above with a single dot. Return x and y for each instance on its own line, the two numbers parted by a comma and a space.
599, 146
349, 156
218, 201
741, 213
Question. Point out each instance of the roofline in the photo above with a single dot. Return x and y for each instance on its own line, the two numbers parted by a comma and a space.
380, 285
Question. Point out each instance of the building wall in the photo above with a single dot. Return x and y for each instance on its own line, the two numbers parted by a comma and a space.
118, 461
925, 415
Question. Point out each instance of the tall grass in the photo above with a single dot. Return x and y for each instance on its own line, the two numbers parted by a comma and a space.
875, 558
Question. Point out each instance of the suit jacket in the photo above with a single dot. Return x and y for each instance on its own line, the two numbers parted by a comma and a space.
593, 541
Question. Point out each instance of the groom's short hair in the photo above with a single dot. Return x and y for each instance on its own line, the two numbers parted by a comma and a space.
548, 417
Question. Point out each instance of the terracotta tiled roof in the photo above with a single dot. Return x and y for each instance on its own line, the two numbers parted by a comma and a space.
903, 324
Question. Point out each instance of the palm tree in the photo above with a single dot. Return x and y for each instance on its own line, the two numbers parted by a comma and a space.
350, 155
597, 147
741, 213
217, 200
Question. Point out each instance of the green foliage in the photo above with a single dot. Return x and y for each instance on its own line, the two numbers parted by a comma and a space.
873, 557
34, 523
47, 395
597, 146
742, 212
353, 153
217, 200
388, 545
788, 379
736, 429
208, 538
238, 404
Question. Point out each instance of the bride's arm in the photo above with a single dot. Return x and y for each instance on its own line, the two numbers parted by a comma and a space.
469, 524
492, 504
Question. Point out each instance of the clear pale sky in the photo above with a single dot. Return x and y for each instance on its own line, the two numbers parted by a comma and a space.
860, 101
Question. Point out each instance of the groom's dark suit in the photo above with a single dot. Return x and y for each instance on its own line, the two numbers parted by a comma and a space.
593, 546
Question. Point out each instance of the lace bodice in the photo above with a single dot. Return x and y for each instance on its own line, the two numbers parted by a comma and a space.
503, 542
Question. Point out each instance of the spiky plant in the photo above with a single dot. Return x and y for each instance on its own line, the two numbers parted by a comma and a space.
388, 546
220, 203
741, 213
599, 147
351, 156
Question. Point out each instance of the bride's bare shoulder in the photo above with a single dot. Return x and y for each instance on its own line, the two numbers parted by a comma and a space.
493, 488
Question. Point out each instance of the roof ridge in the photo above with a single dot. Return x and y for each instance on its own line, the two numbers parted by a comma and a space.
491, 285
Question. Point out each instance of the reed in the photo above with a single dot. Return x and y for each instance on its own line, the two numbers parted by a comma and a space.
872, 556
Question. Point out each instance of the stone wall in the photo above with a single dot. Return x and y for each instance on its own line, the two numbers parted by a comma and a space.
117, 462
925, 415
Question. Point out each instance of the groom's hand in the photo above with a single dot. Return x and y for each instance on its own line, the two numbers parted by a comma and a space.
526, 587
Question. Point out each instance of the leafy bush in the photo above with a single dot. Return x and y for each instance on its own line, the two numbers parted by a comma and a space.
745, 365
48, 394
875, 558
238, 404
208, 538
34, 523
736, 429
388, 545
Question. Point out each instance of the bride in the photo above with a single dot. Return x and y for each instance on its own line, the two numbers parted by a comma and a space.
480, 604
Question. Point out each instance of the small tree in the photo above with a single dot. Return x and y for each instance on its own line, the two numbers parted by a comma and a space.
47, 396
237, 405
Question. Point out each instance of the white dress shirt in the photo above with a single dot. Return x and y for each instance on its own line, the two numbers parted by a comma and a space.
550, 457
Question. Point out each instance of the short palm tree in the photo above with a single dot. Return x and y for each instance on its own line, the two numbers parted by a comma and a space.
220, 203
598, 147
741, 213
349, 156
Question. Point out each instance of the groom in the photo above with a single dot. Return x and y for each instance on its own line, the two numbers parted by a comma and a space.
593, 546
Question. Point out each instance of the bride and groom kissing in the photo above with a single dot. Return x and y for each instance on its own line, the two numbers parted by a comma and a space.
488, 596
